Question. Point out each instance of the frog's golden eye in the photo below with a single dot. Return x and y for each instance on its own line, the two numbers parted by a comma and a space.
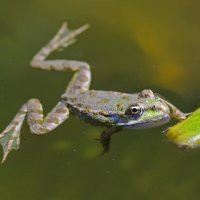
135, 110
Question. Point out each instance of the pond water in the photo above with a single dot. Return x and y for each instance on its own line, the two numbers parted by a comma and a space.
131, 45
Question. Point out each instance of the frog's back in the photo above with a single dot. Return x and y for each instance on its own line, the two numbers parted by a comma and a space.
95, 106
102, 101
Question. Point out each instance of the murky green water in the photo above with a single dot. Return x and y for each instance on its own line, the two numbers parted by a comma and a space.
131, 45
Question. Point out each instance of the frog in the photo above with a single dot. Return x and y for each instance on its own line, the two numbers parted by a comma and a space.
114, 110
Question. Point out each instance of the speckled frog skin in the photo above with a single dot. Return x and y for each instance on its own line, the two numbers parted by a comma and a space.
141, 110
114, 110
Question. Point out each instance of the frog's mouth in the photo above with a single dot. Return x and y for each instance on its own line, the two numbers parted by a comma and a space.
150, 123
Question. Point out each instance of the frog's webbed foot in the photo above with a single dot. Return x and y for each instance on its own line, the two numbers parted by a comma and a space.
10, 137
62, 39
105, 138
180, 115
65, 37
174, 111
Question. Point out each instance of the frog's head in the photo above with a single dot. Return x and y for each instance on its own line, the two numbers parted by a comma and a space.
149, 111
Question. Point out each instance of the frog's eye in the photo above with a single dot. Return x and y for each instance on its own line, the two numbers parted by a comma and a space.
135, 110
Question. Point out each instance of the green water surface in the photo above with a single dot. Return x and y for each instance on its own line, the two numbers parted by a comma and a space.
131, 45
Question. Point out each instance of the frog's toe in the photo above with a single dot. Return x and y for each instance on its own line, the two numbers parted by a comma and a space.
66, 37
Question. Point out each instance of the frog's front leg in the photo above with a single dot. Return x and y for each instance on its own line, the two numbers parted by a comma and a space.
175, 112
10, 137
105, 138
